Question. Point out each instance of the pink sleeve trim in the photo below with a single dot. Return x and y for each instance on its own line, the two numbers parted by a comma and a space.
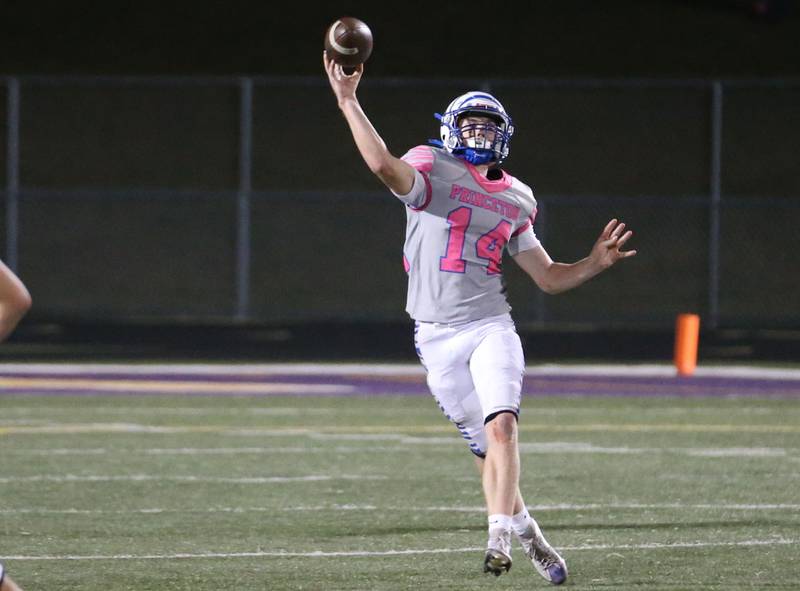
522, 228
420, 157
428, 193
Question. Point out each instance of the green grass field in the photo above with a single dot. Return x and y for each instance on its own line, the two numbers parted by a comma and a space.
377, 493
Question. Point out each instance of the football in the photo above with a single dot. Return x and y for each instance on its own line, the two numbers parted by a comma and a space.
348, 42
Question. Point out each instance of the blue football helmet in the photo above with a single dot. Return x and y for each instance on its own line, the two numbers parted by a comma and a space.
470, 142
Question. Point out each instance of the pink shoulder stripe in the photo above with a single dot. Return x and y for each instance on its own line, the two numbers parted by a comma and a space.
428, 193
528, 223
420, 157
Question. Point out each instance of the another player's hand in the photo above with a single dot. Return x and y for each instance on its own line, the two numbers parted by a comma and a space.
607, 250
343, 85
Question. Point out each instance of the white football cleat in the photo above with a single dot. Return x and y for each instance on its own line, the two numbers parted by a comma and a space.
544, 558
498, 554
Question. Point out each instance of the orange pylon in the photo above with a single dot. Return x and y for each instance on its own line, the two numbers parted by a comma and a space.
687, 335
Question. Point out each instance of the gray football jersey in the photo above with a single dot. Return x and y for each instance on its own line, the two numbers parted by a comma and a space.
459, 224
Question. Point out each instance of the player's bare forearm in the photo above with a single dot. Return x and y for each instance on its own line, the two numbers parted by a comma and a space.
395, 174
554, 277
369, 143
561, 277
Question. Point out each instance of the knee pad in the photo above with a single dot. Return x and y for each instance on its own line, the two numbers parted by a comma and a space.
499, 412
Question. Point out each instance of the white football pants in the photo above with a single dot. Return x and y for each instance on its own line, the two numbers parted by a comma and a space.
475, 370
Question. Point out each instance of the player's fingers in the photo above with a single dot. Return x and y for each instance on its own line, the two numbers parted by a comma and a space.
329, 63
607, 230
338, 74
627, 254
353, 71
624, 238
618, 230
330, 66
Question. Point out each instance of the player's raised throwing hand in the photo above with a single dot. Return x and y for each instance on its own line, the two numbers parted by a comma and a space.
343, 85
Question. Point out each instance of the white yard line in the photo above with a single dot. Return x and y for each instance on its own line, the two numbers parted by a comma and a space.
368, 553
132, 428
477, 509
202, 479
376, 432
454, 442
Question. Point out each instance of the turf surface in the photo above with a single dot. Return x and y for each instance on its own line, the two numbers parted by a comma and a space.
378, 492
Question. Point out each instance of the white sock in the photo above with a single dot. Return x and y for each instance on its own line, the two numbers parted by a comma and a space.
499, 523
520, 522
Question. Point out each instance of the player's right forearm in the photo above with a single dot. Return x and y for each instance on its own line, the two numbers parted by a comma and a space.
395, 174
372, 147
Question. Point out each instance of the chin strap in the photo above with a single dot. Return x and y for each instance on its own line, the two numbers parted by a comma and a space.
475, 156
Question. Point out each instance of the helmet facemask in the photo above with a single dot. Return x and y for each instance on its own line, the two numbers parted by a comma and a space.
479, 141
477, 132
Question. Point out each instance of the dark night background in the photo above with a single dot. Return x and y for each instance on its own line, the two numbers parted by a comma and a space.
642, 38
606, 140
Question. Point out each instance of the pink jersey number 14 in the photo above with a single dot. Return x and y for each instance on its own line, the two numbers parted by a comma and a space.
488, 246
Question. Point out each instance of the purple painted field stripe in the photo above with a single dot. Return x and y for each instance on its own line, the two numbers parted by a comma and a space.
598, 381
377, 385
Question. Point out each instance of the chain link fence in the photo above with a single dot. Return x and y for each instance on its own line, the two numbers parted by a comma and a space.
244, 199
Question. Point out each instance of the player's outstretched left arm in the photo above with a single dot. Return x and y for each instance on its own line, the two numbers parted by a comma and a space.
15, 300
553, 277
